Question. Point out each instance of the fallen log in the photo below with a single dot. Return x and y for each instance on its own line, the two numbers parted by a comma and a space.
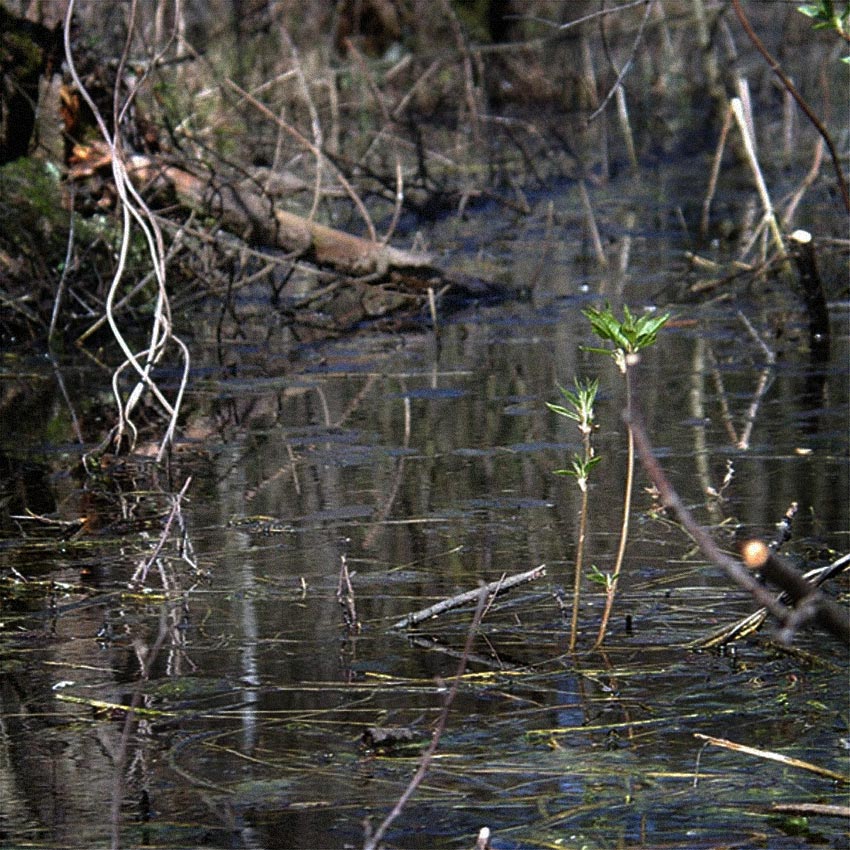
249, 214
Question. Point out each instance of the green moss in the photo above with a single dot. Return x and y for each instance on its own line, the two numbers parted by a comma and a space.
31, 187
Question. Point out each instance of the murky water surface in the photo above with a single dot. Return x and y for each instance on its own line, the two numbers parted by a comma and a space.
427, 464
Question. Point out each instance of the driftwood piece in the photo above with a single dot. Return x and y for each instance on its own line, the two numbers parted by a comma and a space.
770, 755
818, 809
252, 216
494, 588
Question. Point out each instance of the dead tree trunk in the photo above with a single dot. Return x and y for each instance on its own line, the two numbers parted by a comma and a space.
253, 217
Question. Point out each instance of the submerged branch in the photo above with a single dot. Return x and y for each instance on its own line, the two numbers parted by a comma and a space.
494, 588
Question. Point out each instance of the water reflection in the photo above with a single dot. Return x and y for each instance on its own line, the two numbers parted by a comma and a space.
429, 465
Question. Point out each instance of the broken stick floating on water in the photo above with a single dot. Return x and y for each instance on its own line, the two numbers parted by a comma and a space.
770, 755
494, 588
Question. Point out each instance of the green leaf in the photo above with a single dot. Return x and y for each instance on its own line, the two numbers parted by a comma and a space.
562, 411
598, 577
580, 469
593, 350
629, 335
580, 402
809, 10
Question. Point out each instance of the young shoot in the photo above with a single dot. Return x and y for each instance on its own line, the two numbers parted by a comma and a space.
580, 403
827, 15
629, 335
598, 577
580, 470
579, 407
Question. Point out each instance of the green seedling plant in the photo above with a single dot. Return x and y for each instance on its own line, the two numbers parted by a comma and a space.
579, 407
630, 335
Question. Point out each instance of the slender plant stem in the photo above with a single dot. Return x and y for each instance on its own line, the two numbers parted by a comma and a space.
737, 108
582, 533
611, 591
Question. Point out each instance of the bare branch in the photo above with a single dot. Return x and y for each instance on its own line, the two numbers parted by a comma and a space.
494, 587
733, 568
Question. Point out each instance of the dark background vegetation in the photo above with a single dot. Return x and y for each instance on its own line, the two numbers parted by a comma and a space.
438, 104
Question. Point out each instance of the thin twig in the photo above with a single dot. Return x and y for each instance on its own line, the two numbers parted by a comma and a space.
818, 809
288, 128
494, 587
611, 590
772, 756
801, 102
315, 124
734, 569
627, 64
345, 597
60, 289
388, 122
807, 602
752, 622
813, 605
579, 566
374, 840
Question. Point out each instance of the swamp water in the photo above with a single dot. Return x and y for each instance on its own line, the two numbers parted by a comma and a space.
428, 466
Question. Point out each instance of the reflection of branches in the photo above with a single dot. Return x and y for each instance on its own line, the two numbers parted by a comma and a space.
173, 617
761, 387
141, 574
742, 440
170, 627
60, 381
374, 840
383, 510
812, 605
